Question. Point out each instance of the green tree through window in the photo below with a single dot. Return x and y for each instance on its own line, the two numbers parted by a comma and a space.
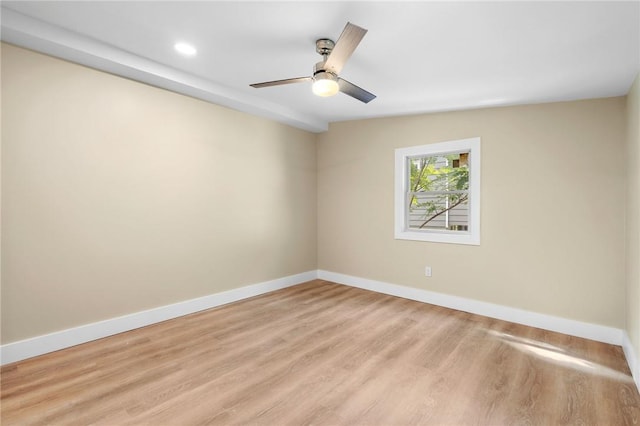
439, 191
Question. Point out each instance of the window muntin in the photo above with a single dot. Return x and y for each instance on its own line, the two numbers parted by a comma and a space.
438, 192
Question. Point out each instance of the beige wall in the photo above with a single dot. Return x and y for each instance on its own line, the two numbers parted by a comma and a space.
552, 208
633, 218
119, 197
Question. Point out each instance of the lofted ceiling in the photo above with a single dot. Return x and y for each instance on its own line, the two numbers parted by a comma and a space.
417, 57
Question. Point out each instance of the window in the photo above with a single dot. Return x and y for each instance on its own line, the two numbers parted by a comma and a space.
437, 192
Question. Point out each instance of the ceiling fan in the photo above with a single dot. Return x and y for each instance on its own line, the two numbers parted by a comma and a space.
326, 81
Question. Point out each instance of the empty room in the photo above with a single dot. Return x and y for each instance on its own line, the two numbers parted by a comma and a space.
330, 213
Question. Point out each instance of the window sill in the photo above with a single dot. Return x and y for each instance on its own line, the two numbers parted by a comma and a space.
439, 237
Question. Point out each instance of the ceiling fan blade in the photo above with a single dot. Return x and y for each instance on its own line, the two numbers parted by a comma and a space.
354, 91
281, 82
346, 44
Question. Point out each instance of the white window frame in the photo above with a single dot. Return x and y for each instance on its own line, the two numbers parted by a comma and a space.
402, 155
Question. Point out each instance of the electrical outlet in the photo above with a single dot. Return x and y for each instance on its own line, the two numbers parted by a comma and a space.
427, 271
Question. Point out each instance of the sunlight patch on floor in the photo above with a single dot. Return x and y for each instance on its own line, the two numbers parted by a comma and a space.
559, 356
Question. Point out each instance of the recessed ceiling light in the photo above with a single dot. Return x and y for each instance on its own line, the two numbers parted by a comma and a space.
185, 49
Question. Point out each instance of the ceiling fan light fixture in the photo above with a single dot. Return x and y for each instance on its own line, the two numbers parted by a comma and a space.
325, 84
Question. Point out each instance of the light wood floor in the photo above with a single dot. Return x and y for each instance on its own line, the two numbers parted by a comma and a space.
326, 354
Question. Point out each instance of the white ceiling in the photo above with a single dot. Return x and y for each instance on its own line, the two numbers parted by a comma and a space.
417, 56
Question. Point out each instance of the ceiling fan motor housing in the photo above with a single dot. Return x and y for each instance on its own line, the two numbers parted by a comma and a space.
319, 72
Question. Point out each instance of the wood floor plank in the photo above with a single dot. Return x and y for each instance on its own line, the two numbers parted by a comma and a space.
323, 353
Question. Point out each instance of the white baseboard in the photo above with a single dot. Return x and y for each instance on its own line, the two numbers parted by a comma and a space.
596, 332
632, 359
39, 345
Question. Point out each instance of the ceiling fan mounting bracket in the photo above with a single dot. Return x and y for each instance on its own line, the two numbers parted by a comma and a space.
324, 46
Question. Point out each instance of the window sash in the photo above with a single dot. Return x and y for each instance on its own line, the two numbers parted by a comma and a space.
454, 219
